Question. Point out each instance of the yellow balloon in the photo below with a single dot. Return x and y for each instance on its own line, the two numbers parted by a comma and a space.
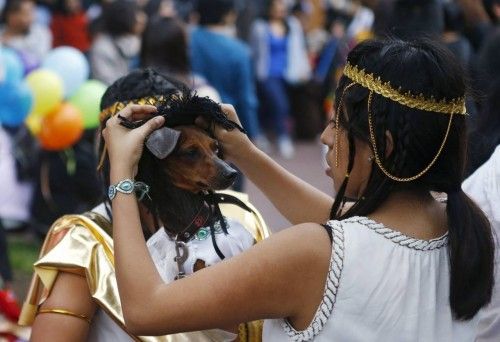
47, 89
34, 123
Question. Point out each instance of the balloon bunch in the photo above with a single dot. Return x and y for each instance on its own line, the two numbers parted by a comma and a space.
54, 99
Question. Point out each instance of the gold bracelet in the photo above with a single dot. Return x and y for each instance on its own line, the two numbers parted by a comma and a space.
65, 312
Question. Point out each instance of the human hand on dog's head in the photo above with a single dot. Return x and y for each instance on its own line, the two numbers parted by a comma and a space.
125, 145
234, 143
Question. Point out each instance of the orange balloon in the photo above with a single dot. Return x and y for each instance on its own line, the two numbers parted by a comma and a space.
61, 128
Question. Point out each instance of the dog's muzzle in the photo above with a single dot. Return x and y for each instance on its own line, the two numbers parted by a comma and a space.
226, 175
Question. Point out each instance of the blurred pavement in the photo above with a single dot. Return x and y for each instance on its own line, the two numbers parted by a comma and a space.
308, 165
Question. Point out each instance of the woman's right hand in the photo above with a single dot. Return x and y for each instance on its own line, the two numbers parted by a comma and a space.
125, 145
235, 144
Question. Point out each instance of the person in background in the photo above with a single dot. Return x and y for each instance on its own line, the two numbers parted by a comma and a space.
484, 136
361, 24
15, 199
18, 159
8, 303
18, 30
69, 25
66, 183
331, 59
115, 50
279, 55
161, 8
225, 61
304, 96
487, 69
483, 186
453, 38
410, 19
5, 268
248, 11
482, 19
165, 49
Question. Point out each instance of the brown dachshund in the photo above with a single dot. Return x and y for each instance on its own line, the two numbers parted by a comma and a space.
191, 159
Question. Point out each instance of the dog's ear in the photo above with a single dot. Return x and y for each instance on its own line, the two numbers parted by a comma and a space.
162, 142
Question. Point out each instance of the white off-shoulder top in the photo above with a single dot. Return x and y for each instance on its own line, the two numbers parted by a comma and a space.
382, 286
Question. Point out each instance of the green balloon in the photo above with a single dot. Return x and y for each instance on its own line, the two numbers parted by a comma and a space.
87, 99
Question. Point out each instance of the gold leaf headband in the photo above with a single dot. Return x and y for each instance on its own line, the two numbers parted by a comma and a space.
118, 106
375, 84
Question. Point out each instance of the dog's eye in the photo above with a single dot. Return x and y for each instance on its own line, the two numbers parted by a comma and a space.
191, 153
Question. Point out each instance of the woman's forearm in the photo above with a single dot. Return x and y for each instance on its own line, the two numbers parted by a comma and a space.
295, 199
135, 271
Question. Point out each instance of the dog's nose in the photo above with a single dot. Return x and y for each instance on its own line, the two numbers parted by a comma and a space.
226, 175
230, 175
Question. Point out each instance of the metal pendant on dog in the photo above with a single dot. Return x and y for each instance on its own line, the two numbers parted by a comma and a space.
182, 253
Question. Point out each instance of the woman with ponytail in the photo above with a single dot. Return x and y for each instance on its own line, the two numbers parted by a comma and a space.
382, 261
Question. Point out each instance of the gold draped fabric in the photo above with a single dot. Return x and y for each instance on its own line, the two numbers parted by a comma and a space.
82, 244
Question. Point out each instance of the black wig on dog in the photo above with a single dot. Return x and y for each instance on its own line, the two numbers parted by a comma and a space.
173, 206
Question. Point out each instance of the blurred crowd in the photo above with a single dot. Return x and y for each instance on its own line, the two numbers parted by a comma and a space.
276, 61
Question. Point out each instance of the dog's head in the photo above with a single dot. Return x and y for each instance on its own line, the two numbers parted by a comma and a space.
191, 159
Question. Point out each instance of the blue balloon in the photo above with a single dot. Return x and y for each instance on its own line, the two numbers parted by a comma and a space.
12, 65
16, 101
71, 65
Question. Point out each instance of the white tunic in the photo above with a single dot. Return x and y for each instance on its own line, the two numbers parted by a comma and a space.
381, 286
162, 250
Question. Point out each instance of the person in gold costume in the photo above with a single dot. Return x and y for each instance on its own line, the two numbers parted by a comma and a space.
74, 295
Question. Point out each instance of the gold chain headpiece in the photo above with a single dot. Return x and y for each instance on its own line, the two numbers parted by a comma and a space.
376, 85
377, 157
118, 106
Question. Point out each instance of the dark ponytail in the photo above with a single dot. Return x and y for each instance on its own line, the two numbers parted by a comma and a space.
471, 253
420, 67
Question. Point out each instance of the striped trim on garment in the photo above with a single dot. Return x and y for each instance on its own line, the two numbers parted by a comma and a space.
398, 237
331, 288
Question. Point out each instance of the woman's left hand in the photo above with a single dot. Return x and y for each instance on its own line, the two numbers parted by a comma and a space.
125, 145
